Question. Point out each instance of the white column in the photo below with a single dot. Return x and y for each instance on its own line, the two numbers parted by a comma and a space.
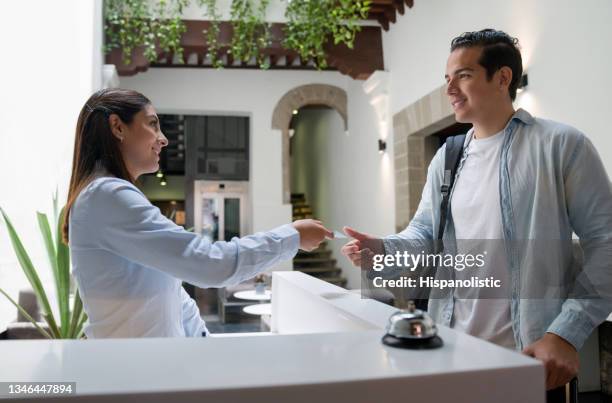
51, 62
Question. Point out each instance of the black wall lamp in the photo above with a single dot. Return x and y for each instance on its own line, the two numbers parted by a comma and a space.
382, 146
523, 83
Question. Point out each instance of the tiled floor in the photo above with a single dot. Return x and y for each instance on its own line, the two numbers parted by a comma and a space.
236, 320
244, 326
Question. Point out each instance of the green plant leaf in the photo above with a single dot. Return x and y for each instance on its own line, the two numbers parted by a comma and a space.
136, 24
81, 323
59, 258
63, 280
310, 24
27, 315
77, 310
28, 269
45, 230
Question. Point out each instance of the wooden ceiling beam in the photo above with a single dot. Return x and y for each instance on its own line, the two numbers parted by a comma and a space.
382, 20
390, 14
399, 6
273, 60
289, 60
385, 11
380, 9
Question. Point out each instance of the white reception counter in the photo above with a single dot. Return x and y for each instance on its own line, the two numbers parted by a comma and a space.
324, 347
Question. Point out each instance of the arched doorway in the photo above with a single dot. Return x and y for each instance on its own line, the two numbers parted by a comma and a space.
305, 95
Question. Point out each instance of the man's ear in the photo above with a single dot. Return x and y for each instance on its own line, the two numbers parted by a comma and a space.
504, 77
116, 126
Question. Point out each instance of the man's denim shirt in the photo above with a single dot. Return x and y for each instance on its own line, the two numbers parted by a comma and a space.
551, 183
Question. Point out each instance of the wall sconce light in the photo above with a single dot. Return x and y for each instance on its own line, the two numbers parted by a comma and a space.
523, 83
382, 146
163, 182
159, 174
295, 111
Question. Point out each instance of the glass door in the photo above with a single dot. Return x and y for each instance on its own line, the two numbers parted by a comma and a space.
220, 209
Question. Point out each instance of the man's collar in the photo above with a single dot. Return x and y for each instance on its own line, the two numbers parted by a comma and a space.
520, 114
524, 116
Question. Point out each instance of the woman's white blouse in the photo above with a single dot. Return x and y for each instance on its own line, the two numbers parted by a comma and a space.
129, 262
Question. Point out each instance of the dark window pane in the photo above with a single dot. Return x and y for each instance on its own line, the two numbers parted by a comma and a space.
232, 218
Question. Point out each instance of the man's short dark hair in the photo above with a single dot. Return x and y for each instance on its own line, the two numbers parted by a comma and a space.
498, 49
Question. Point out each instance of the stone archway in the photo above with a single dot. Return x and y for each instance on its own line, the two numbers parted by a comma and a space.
311, 94
414, 147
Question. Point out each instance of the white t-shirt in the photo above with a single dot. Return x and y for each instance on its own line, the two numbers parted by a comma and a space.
476, 212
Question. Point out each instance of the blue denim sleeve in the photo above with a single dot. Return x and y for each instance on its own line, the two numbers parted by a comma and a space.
588, 194
421, 227
193, 324
127, 224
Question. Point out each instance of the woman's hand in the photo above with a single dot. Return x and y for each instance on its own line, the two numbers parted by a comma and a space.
312, 233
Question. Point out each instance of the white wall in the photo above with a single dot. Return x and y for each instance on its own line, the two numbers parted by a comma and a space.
252, 93
274, 13
566, 49
345, 178
311, 156
51, 62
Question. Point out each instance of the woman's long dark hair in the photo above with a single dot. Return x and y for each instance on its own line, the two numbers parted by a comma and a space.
94, 143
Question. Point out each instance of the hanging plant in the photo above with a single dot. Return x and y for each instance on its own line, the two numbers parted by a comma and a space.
133, 23
311, 23
212, 33
251, 32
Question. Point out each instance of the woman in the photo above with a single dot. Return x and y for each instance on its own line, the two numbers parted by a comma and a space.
129, 260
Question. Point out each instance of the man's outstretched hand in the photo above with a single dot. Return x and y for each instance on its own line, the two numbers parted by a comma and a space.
352, 250
560, 359
312, 233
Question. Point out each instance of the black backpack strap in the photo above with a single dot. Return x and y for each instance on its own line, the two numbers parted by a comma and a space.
454, 148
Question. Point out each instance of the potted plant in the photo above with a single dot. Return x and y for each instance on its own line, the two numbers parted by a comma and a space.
69, 324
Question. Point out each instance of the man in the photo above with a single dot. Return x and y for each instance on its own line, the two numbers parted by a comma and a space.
519, 178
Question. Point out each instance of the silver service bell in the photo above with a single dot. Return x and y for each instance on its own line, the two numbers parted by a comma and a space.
411, 323
412, 328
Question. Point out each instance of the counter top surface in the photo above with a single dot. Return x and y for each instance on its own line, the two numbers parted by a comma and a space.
130, 366
325, 346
